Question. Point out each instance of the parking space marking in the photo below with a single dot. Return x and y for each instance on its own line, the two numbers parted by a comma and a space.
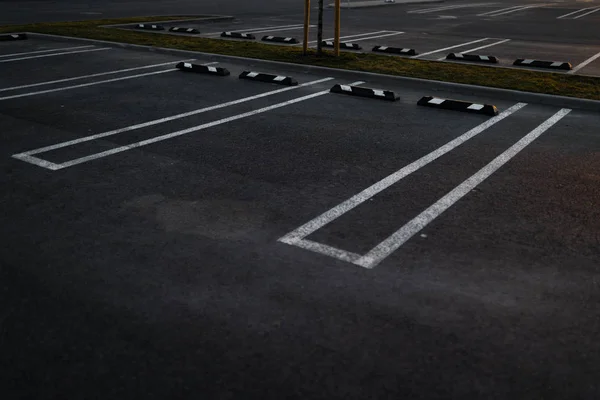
298, 235
44, 51
583, 64
27, 156
262, 29
55, 54
90, 76
375, 37
594, 9
510, 10
587, 13
449, 48
448, 8
479, 48
352, 36
60, 89
401, 236
327, 250
198, 128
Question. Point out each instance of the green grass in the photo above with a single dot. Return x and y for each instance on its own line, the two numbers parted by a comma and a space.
529, 81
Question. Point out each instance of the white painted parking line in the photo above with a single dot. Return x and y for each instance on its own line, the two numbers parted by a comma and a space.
587, 13
479, 48
262, 29
447, 8
375, 37
495, 11
186, 131
161, 121
54, 54
60, 89
44, 51
401, 236
298, 235
353, 36
282, 30
522, 8
449, 48
583, 64
90, 76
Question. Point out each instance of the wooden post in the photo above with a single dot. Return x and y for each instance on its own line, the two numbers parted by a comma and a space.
306, 25
337, 27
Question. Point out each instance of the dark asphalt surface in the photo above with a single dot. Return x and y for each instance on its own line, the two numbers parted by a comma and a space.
156, 272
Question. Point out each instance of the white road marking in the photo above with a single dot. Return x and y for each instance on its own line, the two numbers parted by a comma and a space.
190, 130
495, 11
45, 51
91, 76
401, 236
54, 54
327, 217
263, 29
60, 89
583, 64
377, 37
587, 13
328, 250
516, 10
574, 12
167, 119
447, 8
449, 48
352, 36
480, 48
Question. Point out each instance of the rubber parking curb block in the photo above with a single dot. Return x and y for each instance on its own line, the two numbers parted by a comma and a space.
472, 57
395, 50
183, 30
202, 69
543, 64
238, 35
278, 79
343, 45
458, 105
151, 27
13, 36
280, 39
365, 92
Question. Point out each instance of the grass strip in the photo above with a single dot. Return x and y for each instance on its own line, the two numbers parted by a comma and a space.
505, 78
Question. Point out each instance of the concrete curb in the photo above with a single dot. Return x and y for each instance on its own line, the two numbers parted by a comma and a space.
269, 78
458, 105
387, 95
501, 94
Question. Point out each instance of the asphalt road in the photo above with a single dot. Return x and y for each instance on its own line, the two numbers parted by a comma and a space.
152, 261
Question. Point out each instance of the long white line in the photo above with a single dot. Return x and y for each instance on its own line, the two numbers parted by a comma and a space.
257, 29
328, 250
45, 51
281, 29
190, 130
375, 37
574, 12
495, 11
449, 48
583, 64
480, 48
342, 208
60, 89
90, 76
446, 8
401, 236
54, 54
353, 36
519, 9
587, 13
168, 119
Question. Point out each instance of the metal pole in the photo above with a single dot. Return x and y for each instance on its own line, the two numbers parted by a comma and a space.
306, 25
337, 27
